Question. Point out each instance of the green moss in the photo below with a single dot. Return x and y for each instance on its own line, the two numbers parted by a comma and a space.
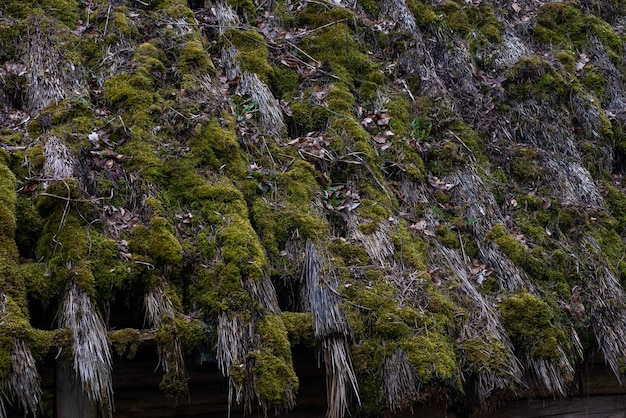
456, 17
485, 353
531, 325
216, 148
295, 215
174, 381
246, 6
371, 7
524, 165
273, 367
157, 243
284, 82
299, 326
193, 57
425, 15
563, 25
534, 77
335, 45
410, 250
433, 355
352, 254
125, 342
253, 55
368, 357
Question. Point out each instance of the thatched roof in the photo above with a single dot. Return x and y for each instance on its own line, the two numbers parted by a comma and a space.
430, 195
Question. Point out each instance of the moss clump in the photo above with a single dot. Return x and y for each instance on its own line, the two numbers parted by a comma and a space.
525, 165
485, 354
456, 17
216, 148
125, 342
351, 254
531, 325
273, 367
157, 243
253, 55
335, 45
425, 14
536, 78
295, 215
565, 26
432, 355
299, 326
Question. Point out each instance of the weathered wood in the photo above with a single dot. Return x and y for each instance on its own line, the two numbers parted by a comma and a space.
71, 399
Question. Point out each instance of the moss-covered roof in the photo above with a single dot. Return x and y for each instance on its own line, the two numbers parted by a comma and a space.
430, 196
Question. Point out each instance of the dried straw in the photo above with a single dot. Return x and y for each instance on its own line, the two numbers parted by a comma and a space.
400, 381
269, 108
50, 76
23, 381
378, 244
553, 374
483, 323
339, 376
319, 295
60, 161
473, 197
263, 291
158, 306
607, 310
92, 354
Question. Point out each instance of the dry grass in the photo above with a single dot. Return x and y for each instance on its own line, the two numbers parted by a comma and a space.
51, 76
92, 353
158, 306
319, 295
482, 323
271, 115
23, 382
607, 300
400, 381
340, 377
378, 244
60, 161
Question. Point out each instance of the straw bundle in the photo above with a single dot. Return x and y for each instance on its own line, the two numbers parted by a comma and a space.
553, 374
398, 12
92, 354
271, 117
160, 314
263, 291
60, 160
482, 324
51, 76
319, 295
340, 376
472, 195
607, 310
400, 381
233, 342
269, 108
572, 183
378, 244
22, 382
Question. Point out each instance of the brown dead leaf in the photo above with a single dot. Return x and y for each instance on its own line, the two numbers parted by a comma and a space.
440, 184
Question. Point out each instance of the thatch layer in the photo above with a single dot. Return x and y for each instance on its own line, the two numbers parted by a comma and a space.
435, 187
91, 348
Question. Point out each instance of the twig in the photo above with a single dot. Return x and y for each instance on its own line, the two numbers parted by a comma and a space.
106, 25
69, 199
462, 246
